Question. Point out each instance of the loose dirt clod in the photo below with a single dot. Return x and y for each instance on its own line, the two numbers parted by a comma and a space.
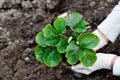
27, 59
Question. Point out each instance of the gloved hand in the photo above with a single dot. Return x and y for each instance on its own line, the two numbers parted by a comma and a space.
109, 29
103, 62
105, 32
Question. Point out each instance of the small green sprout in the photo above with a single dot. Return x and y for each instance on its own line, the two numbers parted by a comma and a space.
52, 42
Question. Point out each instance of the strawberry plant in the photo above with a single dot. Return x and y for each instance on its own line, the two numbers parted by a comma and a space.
52, 42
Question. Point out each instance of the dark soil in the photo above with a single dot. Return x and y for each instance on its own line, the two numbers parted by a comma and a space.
20, 20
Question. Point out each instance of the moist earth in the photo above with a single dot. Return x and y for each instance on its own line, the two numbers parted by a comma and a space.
21, 20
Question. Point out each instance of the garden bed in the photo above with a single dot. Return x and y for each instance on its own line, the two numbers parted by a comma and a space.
21, 20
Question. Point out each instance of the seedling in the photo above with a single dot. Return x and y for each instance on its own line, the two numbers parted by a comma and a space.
52, 42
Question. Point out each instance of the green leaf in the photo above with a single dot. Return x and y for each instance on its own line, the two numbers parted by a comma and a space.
62, 46
72, 57
72, 53
81, 26
52, 40
87, 57
88, 40
39, 53
84, 23
60, 25
52, 58
72, 46
73, 19
40, 39
47, 30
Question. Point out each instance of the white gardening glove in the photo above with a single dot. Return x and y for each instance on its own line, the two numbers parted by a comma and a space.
110, 27
103, 62
116, 67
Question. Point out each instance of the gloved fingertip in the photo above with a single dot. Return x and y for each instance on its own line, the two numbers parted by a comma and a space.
72, 67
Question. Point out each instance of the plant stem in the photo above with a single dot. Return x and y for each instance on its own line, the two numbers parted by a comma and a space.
64, 37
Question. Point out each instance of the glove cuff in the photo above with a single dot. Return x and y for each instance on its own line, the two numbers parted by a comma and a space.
116, 67
102, 42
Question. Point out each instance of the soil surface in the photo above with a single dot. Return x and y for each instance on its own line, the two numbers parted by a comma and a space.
20, 20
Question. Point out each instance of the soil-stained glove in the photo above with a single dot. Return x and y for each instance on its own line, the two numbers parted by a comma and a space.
110, 27
103, 62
